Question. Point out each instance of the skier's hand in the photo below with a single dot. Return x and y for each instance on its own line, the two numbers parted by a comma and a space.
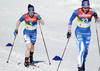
38, 17
95, 15
68, 34
15, 32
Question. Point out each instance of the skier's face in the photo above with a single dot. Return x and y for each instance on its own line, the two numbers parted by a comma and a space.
85, 8
31, 14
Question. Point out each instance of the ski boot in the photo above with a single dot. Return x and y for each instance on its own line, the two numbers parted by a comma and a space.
31, 57
26, 63
83, 66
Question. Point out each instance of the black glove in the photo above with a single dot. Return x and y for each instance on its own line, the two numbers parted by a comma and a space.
15, 32
95, 15
68, 34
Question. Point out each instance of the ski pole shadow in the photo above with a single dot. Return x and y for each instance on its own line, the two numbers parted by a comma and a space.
35, 62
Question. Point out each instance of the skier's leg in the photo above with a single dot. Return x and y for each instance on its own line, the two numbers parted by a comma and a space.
31, 53
80, 42
27, 53
28, 49
33, 40
86, 43
81, 53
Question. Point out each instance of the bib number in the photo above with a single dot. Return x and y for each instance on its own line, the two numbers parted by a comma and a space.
85, 20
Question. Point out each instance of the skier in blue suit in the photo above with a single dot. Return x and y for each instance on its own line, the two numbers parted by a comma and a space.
30, 32
82, 32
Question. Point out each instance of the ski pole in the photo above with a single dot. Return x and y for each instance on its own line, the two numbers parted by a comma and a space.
97, 40
45, 45
97, 37
11, 49
63, 54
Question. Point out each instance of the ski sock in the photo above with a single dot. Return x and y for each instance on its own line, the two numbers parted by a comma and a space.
31, 57
26, 62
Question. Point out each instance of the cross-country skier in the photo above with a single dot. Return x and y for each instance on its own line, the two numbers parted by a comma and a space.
30, 32
82, 32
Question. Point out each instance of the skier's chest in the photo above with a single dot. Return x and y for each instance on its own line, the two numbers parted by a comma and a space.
81, 14
33, 19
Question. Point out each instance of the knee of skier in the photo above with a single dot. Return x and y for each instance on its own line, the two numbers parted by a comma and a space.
33, 42
86, 51
79, 40
28, 48
29, 45
81, 46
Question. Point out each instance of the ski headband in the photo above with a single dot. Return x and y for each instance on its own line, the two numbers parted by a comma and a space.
85, 3
30, 9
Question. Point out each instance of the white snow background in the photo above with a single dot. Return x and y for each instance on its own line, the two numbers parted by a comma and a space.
56, 14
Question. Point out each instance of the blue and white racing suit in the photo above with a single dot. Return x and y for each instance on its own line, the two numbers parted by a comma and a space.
82, 32
30, 31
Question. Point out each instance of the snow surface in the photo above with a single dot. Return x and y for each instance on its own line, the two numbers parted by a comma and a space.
56, 14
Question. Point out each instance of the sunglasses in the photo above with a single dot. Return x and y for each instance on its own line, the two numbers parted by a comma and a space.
86, 7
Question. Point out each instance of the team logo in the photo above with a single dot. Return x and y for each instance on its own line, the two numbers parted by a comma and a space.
79, 36
30, 8
80, 24
85, 15
78, 32
87, 42
31, 19
85, 2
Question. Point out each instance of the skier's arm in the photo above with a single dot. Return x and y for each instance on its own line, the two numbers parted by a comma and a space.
17, 26
16, 30
98, 20
40, 19
19, 21
69, 27
70, 23
71, 19
95, 16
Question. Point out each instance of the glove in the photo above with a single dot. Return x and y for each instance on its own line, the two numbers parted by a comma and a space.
15, 32
95, 15
38, 17
68, 34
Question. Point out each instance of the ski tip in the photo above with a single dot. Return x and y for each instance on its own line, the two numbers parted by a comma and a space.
36, 66
19, 63
9, 44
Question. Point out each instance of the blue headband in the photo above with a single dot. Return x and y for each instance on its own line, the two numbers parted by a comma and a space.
85, 3
31, 9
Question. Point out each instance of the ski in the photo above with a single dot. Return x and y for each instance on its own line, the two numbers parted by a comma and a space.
35, 65
30, 64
